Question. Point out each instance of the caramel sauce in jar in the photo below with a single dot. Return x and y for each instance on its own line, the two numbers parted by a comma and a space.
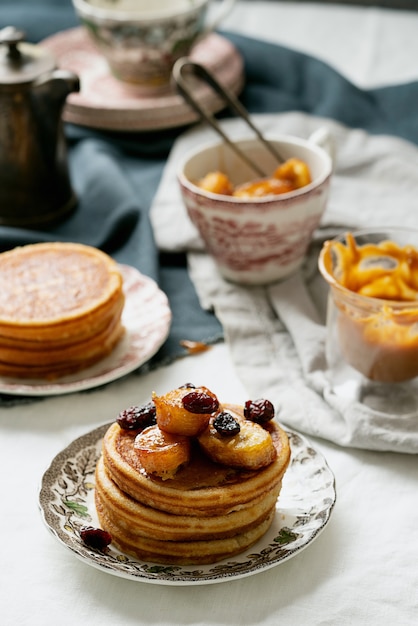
374, 288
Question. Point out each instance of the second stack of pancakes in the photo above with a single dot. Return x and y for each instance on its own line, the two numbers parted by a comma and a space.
60, 310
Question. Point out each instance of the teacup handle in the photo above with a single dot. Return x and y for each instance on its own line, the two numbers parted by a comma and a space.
222, 11
323, 138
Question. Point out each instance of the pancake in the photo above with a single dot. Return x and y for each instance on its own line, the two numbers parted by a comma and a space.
52, 364
60, 309
198, 552
48, 286
60, 336
201, 488
204, 513
49, 354
147, 521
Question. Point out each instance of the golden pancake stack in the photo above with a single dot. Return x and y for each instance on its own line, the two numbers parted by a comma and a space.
176, 498
60, 309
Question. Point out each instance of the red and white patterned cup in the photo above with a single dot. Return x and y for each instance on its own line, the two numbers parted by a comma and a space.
257, 241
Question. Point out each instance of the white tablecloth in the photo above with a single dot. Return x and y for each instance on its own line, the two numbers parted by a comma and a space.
362, 570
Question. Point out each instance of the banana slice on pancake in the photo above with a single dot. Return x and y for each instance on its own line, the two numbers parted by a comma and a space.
251, 448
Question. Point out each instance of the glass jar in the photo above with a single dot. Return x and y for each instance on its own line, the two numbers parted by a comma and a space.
372, 317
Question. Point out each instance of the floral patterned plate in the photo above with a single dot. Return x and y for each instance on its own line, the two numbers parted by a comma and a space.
146, 317
303, 509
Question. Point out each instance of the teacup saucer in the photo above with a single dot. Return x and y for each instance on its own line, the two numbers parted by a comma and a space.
107, 103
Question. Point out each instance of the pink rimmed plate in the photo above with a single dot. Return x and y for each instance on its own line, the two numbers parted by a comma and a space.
110, 104
147, 319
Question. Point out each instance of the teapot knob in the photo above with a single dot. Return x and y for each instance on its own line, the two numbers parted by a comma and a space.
21, 62
11, 36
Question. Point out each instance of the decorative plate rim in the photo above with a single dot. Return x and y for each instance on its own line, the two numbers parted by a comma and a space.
145, 333
303, 510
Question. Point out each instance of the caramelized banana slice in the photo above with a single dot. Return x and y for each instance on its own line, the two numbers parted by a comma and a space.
251, 448
161, 453
185, 410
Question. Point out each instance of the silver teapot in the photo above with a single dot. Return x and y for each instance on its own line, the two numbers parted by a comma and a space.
35, 187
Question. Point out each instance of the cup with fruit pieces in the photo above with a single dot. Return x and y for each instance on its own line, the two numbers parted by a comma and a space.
257, 229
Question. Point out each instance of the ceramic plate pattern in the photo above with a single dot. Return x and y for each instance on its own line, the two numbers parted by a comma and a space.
303, 509
107, 103
146, 317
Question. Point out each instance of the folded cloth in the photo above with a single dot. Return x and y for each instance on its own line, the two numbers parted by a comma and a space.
276, 334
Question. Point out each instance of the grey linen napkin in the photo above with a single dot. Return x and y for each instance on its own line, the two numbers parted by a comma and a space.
276, 334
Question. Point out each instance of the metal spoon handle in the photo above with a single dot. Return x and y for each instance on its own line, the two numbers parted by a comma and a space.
202, 73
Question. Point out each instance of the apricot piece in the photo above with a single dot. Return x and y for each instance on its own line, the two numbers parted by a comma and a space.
295, 171
263, 187
173, 417
216, 182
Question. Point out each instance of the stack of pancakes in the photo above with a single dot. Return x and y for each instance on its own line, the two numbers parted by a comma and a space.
60, 309
205, 513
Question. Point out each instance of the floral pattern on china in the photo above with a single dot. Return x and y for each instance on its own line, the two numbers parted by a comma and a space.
306, 502
142, 40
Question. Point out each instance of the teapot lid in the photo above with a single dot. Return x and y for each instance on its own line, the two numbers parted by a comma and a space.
21, 62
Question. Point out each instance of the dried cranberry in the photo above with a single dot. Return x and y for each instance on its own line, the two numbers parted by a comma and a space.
200, 402
259, 411
95, 538
226, 424
137, 417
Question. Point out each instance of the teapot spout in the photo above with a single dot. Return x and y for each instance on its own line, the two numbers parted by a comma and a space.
60, 83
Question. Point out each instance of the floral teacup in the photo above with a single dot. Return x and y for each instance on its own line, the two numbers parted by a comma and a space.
142, 39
